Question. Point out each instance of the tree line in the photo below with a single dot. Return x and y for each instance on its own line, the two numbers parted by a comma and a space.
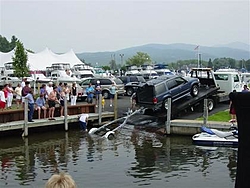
21, 68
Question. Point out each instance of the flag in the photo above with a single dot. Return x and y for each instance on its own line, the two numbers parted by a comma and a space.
197, 47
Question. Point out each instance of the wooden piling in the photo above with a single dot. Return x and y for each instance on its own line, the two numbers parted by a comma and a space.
25, 133
205, 112
100, 109
115, 107
168, 122
65, 113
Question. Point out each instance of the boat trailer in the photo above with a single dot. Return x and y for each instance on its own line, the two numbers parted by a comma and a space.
109, 132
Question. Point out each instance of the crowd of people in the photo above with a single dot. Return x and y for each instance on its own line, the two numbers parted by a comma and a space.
48, 96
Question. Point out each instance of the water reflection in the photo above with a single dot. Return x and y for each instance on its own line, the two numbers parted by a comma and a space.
150, 158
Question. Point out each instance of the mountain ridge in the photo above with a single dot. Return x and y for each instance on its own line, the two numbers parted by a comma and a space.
167, 53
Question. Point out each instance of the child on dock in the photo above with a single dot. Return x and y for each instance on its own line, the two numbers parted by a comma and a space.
103, 103
83, 119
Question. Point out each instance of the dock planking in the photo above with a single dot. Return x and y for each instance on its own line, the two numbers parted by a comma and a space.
16, 125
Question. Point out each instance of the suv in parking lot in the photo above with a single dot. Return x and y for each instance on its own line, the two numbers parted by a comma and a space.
131, 83
154, 94
105, 83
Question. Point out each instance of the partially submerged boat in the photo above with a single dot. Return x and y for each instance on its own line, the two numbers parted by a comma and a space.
214, 137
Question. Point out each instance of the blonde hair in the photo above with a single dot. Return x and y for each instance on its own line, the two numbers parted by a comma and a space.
61, 180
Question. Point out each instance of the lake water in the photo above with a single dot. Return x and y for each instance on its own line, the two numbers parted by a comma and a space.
135, 158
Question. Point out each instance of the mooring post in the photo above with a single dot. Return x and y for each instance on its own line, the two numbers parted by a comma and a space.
168, 122
205, 113
25, 133
65, 113
115, 106
100, 109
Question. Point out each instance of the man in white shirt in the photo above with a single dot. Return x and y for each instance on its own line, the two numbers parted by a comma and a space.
49, 88
83, 119
23, 82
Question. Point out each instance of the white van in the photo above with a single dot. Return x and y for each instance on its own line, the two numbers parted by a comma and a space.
245, 78
228, 81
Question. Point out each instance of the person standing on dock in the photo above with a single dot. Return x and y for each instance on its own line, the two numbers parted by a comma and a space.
61, 100
73, 94
31, 102
90, 93
2, 98
83, 120
18, 92
112, 93
98, 91
9, 96
26, 89
52, 98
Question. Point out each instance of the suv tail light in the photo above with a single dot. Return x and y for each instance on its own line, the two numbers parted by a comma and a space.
154, 100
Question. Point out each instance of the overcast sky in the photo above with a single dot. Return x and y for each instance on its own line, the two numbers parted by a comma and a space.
93, 26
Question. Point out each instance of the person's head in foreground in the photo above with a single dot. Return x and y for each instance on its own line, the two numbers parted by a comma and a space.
61, 180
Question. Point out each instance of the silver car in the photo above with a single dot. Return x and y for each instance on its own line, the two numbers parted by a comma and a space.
105, 83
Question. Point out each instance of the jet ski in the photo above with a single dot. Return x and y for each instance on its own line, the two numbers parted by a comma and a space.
214, 137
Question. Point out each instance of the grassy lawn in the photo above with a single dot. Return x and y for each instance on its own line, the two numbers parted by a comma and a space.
220, 116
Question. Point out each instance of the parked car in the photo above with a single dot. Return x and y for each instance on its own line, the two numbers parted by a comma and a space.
10, 80
131, 83
105, 83
154, 93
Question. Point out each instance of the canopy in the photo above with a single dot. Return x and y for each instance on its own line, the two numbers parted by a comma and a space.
43, 59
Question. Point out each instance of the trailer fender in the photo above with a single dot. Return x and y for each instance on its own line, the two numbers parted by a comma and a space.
110, 135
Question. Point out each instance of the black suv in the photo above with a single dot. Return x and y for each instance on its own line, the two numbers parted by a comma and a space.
131, 83
154, 94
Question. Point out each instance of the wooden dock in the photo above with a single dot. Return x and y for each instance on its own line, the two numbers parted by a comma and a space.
19, 125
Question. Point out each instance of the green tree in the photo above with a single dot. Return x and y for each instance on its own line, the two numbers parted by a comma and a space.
113, 65
106, 67
5, 45
210, 63
139, 59
20, 59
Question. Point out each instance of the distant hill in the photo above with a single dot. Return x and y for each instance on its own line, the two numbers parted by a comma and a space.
167, 53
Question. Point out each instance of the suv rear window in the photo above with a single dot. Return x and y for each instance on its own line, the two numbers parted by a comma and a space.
160, 88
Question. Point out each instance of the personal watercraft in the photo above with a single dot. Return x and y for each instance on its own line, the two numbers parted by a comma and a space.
214, 137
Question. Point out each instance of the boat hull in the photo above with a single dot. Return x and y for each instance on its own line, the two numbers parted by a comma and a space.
213, 140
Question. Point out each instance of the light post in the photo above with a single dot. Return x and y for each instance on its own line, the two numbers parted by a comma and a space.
121, 55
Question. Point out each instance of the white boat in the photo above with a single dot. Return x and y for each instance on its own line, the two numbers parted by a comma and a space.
214, 137
39, 77
62, 76
161, 72
10, 80
83, 71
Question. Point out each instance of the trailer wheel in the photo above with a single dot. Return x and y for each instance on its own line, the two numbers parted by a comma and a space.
210, 104
105, 94
129, 91
194, 90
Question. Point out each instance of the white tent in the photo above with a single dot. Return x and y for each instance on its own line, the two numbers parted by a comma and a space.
6, 57
43, 59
